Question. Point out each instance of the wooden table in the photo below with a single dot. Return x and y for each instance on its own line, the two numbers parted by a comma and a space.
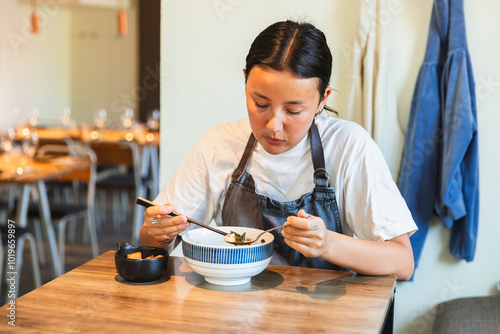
142, 136
56, 133
26, 173
147, 141
94, 298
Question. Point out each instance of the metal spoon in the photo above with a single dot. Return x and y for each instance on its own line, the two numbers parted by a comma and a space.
146, 203
246, 242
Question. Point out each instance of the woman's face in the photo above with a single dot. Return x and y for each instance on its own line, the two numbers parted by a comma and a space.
281, 107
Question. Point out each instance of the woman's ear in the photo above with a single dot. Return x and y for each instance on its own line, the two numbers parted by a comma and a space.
327, 93
245, 74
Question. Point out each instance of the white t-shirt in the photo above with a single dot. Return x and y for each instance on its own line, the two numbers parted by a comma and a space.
370, 204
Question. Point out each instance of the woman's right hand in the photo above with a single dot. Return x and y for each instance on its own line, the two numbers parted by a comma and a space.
162, 227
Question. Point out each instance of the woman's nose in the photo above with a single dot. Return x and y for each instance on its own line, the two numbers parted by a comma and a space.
275, 123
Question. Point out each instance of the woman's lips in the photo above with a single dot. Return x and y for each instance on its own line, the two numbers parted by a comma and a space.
274, 141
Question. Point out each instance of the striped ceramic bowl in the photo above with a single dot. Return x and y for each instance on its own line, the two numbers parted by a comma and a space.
221, 263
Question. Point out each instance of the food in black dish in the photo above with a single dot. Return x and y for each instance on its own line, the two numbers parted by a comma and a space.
140, 270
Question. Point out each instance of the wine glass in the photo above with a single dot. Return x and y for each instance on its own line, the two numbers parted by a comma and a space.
153, 121
66, 117
128, 118
30, 143
7, 135
101, 119
34, 117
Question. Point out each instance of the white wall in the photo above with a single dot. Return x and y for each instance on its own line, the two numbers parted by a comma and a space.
204, 44
33, 68
113, 59
77, 60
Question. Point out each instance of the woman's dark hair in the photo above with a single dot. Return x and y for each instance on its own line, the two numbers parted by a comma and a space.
299, 48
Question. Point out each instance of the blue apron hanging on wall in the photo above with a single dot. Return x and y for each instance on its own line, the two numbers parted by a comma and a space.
440, 173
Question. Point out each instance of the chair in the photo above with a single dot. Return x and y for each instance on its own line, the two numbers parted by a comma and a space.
126, 154
10, 234
468, 315
62, 213
60, 191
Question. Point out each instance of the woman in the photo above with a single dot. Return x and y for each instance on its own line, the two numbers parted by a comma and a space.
286, 162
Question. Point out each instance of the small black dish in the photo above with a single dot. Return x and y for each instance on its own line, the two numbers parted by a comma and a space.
140, 270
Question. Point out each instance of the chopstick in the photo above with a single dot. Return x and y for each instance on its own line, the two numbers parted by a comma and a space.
146, 203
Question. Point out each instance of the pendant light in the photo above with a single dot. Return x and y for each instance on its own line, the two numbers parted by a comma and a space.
35, 20
122, 19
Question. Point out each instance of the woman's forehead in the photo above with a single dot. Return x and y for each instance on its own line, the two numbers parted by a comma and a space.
266, 82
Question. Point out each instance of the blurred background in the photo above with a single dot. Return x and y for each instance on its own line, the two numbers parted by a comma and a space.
80, 60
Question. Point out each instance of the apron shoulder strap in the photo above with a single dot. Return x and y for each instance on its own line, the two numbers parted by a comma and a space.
321, 177
245, 158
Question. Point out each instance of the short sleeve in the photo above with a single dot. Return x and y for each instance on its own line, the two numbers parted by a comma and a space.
374, 208
189, 188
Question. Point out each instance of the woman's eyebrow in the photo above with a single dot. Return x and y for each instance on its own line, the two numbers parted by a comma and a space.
261, 96
268, 99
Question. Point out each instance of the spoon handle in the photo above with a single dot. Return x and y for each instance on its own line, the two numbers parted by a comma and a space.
271, 229
146, 203
275, 228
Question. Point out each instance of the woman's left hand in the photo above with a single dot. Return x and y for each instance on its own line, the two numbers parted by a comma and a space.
306, 234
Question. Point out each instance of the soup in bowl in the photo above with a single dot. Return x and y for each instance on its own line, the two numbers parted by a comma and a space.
222, 263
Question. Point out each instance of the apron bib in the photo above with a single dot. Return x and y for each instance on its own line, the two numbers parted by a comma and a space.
244, 207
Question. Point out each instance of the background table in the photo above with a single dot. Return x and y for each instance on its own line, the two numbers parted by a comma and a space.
94, 298
144, 144
35, 174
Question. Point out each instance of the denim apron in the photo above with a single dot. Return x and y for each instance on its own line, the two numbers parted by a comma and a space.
244, 207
